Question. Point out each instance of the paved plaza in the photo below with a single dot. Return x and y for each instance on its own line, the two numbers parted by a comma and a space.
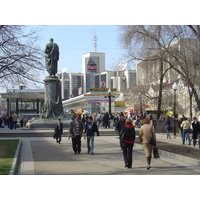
43, 156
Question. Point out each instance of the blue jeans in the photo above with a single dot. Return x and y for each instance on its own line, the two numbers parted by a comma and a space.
90, 143
167, 130
198, 139
186, 135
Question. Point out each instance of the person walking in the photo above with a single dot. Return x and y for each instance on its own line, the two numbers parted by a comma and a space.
115, 120
195, 131
58, 131
90, 129
127, 136
10, 122
106, 120
75, 132
167, 127
146, 131
15, 117
185, 125
21, 119
119, 126
98, 119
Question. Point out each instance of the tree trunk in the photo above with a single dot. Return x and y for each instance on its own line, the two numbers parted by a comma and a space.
194, 92
160, 90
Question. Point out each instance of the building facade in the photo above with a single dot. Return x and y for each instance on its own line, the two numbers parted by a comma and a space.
92, 63
24, 101
71, 84
76, 87
182, 55
92, 102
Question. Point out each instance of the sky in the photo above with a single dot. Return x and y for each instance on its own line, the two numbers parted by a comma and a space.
76, 40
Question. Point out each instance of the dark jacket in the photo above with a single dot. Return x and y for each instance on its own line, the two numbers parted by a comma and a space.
106, 118
196, 130
91, 128
119, 125
167, 124
57, 130
127, 134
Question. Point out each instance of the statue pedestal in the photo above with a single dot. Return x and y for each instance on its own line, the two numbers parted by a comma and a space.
53, 103
44, 124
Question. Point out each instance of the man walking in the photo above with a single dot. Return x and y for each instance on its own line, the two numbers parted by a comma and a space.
75, 132
91, 128
58, 131
119, 126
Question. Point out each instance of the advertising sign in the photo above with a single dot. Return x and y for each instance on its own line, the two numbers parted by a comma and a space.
119, 103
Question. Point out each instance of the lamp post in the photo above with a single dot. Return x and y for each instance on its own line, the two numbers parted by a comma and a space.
174, 87
109, 100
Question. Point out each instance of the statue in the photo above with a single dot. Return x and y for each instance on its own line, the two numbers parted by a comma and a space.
52, 57
53, 107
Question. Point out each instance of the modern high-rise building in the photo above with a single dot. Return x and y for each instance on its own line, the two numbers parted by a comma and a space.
120, 80
92, 63
94, 76
71, 84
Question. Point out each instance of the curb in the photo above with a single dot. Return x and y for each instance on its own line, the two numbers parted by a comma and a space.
174, 156
180, 157
14, 167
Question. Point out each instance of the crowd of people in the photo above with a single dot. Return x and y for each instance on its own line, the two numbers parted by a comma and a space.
78, 128
13, 121
88, 126
186, 128
105, 120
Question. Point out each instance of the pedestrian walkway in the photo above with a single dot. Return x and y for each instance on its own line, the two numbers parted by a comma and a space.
50, 158
42, 155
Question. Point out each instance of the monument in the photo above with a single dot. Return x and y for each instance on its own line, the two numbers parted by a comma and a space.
53, 103
52, 108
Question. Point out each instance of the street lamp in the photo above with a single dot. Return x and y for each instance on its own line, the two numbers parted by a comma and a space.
109, 96
174, 87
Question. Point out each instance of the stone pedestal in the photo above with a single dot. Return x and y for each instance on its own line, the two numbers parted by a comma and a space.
44, 124
53, 103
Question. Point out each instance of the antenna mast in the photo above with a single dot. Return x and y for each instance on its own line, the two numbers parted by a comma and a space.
95, 41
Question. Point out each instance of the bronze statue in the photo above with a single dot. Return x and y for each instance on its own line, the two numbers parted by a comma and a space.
53, 107
52, 57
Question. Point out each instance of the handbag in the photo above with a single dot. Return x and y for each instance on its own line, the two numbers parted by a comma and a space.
122, 137
155, 152
152, 140
122, 134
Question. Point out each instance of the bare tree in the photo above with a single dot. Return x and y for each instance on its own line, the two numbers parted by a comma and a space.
145, 43
20, 57
184, 58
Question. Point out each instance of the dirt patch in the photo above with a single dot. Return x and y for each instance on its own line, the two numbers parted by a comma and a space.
183, 150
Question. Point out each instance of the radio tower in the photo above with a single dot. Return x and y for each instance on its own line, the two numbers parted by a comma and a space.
95, 42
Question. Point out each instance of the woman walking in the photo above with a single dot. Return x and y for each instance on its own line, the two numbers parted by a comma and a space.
185, 125
127, 136
196, 130
146, 131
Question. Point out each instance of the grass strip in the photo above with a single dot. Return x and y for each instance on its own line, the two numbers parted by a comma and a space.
7, 153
